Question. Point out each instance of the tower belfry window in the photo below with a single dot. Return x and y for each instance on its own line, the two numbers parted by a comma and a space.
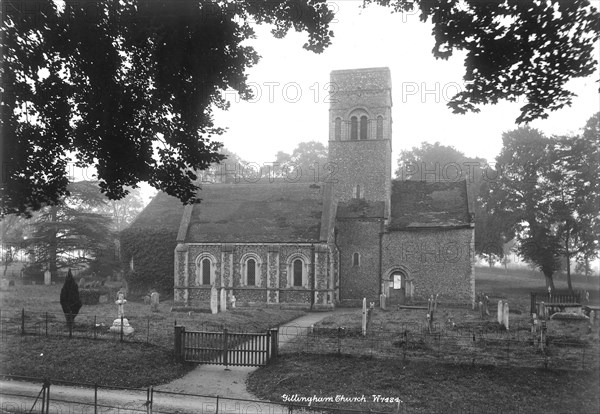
354, 128
363, 127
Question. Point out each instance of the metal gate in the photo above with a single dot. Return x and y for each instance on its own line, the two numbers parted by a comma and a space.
226, 348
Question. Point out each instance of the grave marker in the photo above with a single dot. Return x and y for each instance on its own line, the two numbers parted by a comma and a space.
505, 315
47, 278
154, 301
214, 300
223, 300
364, 317
500, 309
382, 303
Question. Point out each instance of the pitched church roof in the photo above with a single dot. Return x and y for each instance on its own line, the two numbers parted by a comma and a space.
418, 204
248, 213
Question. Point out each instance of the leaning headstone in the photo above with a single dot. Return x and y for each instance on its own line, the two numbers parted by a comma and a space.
500, 309
382, 303
505, 315
223, 301
47, 278
214, 301
154, 301
364, 317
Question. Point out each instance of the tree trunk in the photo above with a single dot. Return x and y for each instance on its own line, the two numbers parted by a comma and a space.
549, 281
568, 255
53, 244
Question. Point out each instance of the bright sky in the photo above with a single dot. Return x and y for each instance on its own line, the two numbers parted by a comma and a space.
290, 82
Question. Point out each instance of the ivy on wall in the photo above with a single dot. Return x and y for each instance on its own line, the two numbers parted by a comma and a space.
152, 250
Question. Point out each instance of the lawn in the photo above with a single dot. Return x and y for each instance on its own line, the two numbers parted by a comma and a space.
425, 387
145, 358
430, 379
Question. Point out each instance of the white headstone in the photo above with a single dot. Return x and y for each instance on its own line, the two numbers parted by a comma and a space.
500, 310
364, 317
154, 301
233, 302
214, 300
223, 300
505, 315
121, 301
47, 278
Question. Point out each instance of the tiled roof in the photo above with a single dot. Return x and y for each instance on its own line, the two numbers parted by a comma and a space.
263, 212
429, 204
163, 211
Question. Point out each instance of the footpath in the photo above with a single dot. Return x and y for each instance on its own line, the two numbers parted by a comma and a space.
203, 385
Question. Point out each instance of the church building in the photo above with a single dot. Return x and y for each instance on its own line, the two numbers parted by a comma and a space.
353, 233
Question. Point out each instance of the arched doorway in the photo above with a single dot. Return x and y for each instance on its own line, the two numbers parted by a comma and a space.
399, 289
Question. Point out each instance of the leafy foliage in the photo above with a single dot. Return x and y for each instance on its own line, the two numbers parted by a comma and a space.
68, 234
152, 250
513, 48
118, 83
548, 194
306, 163
69, 299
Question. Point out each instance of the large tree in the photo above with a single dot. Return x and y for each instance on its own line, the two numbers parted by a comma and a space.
71, 233
129, 86
548, 194
307, 162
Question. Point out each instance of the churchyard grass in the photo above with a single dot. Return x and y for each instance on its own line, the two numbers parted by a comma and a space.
460, 372
146, 358
425, 387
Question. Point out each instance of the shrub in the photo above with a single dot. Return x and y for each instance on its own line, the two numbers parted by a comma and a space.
69, 299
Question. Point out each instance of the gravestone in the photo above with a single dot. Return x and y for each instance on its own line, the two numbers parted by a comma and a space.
232, 301
121, 323
47, 278
486, 304
500, 309
223, 300
81, 284
481, 310
147, 299
103, 299
214, 300
543, 314
592, 317
382, 303
364, 317
154, 301
505, 315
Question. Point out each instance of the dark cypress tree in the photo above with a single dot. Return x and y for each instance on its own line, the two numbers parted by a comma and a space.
69, 299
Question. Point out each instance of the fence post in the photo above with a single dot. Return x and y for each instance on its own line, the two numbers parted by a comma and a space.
23, 321
225, 338
46, 323
95, 326
508, 351
121, 334
217, 408
179, 330
149, 399
275, 343
532, 308
95, 398
339, 336
47, 385
148, 332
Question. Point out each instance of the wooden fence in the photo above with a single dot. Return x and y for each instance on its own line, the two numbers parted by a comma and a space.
226, 348
571, 298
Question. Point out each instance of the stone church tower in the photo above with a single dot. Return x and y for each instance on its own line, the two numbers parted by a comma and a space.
360, 152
